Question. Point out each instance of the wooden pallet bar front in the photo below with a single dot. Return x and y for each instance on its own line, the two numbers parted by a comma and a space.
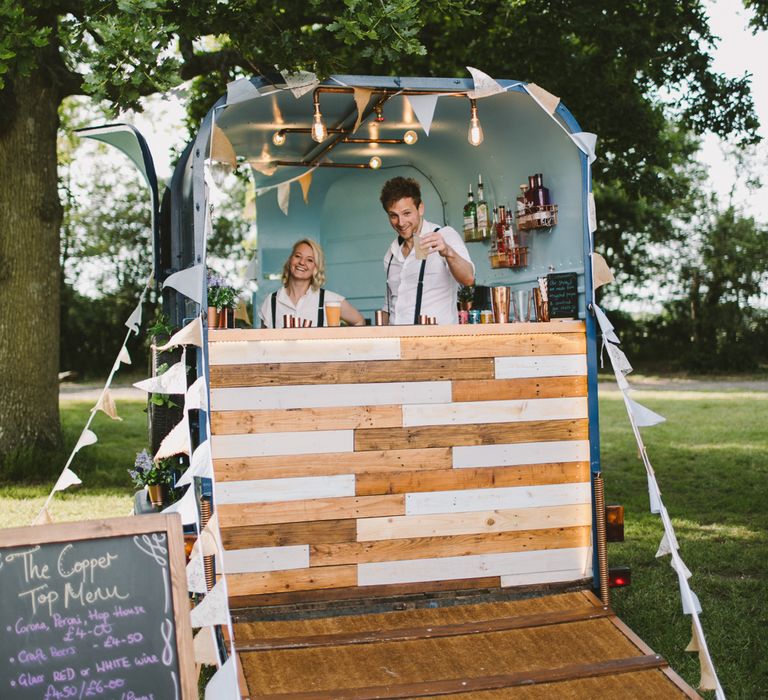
400, 459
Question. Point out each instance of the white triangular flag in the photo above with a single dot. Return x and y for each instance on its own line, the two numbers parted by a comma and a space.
200, 464
484, 84
592, 215
123, 356
134, 320
213, 609
196, 574
210, 542
172, 381
189, 282
679, 566
362, 97
601, 273
605, 325
241, 90
205, 647
221, 148
653, 495
644, 417
176, 442
586, 141
191, 334
299, 82
284, 196
689, 598
107, 404
197, 395
664, 547
546, 100
186, 507
87, 437
423, 107
708, 679
619, 360
66, 479
223, 685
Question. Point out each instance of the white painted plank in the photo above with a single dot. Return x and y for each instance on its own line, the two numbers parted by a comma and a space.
257, 559
546, 577
506, 498
270, 444
328, 350
472, 566
520, 453
329, 395
509, 411
540, 366
287, 489
479, 522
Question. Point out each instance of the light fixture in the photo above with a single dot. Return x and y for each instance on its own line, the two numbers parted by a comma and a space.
410, 137
379, 112
475, 135
374, 163
278, 138
319, 132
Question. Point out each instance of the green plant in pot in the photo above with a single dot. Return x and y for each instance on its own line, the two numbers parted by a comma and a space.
222, 301
155, 475
465, 297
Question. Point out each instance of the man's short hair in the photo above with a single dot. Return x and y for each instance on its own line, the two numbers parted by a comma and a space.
397, 188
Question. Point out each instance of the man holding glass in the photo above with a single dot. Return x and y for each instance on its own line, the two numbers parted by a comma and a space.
425, 264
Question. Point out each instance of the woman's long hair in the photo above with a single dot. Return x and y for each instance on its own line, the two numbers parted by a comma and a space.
318, 278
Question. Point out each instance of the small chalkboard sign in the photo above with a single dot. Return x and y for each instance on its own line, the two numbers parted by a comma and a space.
96, 609
563, 295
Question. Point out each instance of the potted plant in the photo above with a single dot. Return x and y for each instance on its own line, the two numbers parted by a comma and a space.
156, 476
465, 296
222, 301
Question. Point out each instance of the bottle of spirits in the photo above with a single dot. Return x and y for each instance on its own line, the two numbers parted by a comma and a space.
541, 196
483, 218
470, 217
501, 231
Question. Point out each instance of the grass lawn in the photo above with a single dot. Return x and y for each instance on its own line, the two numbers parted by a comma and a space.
711, 461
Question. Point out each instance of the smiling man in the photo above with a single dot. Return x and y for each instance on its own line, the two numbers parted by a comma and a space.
417, 286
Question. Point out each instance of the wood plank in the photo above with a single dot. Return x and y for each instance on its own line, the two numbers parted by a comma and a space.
268, 444
485, 434
234, 469
402, 634
328, 554
404, 526
285, 489
286, 534
543, 577
293, 580
506, 411
357, 593
520, 453
329, 395
477, 684
506, 498
540, 366
258, 559
311, 349
522, 388
493, 346
412, 370
238, 515
299, 419
445, 479
474, 565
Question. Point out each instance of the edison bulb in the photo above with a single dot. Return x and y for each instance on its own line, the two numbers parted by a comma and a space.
374, 163
475, 135
410, 137
278, 138
319, 132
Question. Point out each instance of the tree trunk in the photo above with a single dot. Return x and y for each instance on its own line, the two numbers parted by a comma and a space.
30, 216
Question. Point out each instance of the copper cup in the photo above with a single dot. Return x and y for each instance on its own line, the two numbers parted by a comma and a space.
500, 304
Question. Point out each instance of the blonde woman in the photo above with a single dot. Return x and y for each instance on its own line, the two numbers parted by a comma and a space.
302, 294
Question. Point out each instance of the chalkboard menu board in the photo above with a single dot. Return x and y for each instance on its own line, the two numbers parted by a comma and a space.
563, 295
95, 609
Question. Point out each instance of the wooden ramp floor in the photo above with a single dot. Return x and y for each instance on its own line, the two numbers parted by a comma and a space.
558, 646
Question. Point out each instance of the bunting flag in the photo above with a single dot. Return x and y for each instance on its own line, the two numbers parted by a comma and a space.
284, 196
605, 325
172, 381
134, 320
223, 685
205, 647
221, 148
196, 582
592, 217
241, 90
241, 312
66, 479
484, 84
587, 142
43, 517
176, 442
664, 547
423, 107
189, 282
191, 334
644, 417
213, 609
601, 273
87, 437
362, 97
708, 679
265, 167
299, 82
106, 404
201, 464
123, 356
186, 507
210, 538
547, 100
197, 395
306, 182
653, 494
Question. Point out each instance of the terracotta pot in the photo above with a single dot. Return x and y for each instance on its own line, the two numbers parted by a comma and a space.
224, 315
465, 305
156, 493
213, 317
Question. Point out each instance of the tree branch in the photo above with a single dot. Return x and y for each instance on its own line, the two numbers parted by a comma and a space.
201, 63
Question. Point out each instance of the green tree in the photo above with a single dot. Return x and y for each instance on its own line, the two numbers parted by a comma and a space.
119, 51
